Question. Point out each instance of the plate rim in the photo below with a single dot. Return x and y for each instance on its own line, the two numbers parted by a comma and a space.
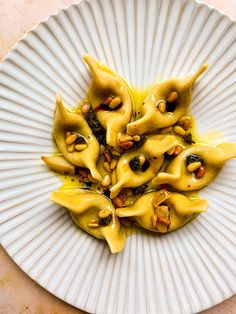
7, 57
78, 2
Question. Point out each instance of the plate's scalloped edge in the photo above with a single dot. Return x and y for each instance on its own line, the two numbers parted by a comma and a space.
214, 9
208, 308
24, 36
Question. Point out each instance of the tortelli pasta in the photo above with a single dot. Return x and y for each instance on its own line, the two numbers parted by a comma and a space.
213, 158
163, 211
114, 116
151, 152
174, 95
127, 167
94, 213
69, 125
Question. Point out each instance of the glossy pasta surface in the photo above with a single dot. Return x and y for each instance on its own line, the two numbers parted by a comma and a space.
123, 166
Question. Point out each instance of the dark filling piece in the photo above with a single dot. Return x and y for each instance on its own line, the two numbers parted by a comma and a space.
170, 106
135, 164
77, 170
168, 157
105, 221
139, 190
107, 193
97, 128
80, 139
193, 158
188, 138
139, 143
145, 166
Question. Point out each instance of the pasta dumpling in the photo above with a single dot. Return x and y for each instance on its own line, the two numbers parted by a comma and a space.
179, 175
94, 213
59, 164
163, 211
111, 98
173, 95
139, 166
122, 171
74, 125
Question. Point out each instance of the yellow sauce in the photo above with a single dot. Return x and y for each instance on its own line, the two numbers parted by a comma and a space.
69, 182
85, 205
208, 137
72, 181
138, 96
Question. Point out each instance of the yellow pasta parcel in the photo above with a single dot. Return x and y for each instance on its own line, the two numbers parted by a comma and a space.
149, 159
111, 98
210, 158
70, 130
59, 164
165, 104
94, 213
163, 211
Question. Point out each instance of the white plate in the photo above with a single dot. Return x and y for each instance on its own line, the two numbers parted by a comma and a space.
183, 272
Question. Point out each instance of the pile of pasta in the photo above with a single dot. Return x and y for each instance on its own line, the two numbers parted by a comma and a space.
134, 165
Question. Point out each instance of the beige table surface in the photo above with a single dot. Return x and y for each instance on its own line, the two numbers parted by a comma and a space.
18, 293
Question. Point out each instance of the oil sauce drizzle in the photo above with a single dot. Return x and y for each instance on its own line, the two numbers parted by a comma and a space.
73, 181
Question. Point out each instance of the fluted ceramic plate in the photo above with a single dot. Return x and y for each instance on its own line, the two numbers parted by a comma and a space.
183, 272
